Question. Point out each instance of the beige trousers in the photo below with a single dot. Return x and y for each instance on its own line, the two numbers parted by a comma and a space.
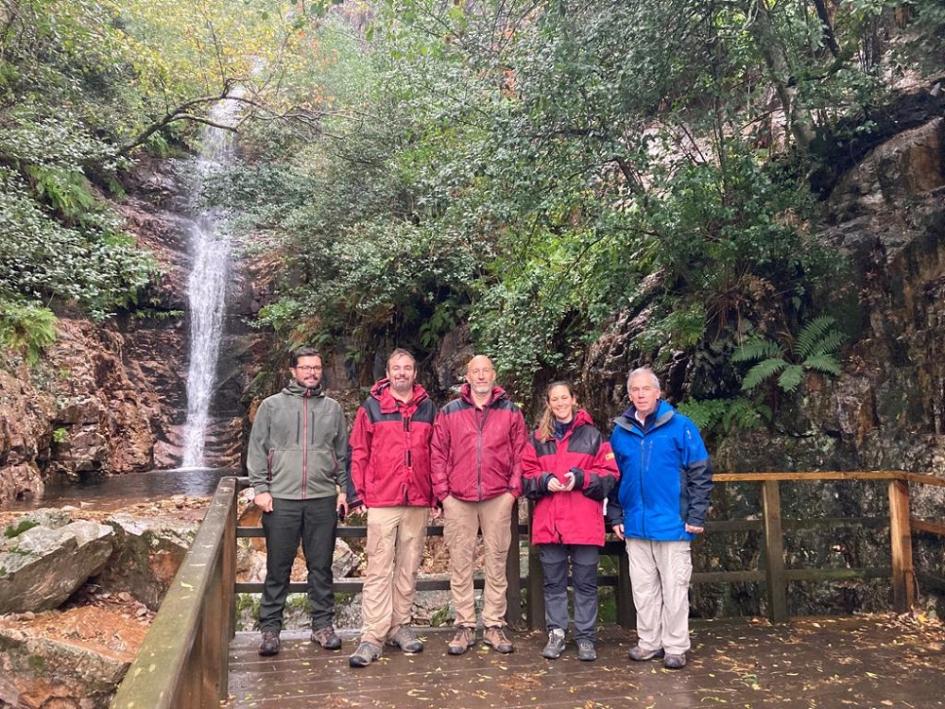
394, 549
659, 576
462, 522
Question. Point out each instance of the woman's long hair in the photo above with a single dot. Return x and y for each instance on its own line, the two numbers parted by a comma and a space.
546, 424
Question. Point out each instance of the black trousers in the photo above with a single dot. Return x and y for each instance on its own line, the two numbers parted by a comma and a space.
554, 567
314, 523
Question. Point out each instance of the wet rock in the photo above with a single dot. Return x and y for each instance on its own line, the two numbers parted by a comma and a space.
148, 553
41, 567
71, 659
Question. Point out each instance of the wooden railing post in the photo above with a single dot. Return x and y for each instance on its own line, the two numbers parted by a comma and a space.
774, 552
513, 571
535, 593
900, 533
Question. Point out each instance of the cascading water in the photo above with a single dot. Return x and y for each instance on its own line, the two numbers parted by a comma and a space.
206, 286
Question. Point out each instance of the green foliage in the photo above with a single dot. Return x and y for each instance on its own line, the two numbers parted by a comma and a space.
813, 349
60, 435
722, 416
26, 328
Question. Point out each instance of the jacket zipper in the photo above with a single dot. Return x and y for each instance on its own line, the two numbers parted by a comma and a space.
482, 426
408, 456
305, 444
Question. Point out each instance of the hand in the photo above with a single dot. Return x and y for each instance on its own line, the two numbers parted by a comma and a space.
342, 505
263, 501
571, 480
436, 512
618, 530
692, 529
555, 486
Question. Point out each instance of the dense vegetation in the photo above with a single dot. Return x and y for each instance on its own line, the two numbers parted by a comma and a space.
531, 168
85, 87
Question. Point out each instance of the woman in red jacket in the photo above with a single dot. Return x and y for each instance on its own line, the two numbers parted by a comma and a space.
568, 469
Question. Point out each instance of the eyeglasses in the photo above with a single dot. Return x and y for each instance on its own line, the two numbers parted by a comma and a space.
307, 368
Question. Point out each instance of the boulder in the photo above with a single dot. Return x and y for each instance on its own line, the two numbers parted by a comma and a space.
148, 553
72, 659
41, 567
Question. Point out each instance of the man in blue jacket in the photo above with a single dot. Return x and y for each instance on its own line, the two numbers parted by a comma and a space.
660, 505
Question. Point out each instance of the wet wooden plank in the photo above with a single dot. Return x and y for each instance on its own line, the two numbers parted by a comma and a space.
880, 660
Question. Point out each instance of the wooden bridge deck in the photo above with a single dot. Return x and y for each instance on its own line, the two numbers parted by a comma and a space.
859, 661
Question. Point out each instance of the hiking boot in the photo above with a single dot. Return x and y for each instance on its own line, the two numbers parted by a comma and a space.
406, 640
497, 639
555, 645
674, 662
464, 639
638, 654
364, 655
585, 650
327, 638
270, 643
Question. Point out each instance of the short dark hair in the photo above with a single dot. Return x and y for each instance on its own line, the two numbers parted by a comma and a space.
297, 354
400, 352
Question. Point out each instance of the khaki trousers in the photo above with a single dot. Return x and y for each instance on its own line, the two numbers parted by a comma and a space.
394, 549
659, 576
462, 522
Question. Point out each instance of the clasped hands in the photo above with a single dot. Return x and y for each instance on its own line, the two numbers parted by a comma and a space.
555, 485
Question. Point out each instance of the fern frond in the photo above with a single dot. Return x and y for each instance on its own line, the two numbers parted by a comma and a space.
823, 363
762, 371
756, 348
741, 414
828, 344
790, 378
811, 333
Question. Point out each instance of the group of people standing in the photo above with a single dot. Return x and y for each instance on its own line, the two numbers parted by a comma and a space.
469, 462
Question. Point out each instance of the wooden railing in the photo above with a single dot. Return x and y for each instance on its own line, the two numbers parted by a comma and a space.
183, 660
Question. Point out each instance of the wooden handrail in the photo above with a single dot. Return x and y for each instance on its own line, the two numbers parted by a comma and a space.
182, 662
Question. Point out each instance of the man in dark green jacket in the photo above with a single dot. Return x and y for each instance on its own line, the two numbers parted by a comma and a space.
296, 463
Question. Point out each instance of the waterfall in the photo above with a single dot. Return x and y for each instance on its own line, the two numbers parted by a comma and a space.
206, 290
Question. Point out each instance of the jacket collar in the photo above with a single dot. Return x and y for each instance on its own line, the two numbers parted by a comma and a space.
465, 393
381, 392
293, 388
628, 419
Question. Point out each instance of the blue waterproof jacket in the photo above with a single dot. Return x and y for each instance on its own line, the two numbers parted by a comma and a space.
665, 477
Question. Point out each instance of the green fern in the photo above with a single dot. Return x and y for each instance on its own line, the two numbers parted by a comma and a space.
823, 363
811, 334
755, 348
791, 378
761, 372
26, 328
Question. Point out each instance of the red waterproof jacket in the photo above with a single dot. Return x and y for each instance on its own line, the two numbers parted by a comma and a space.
575, 517
476, 453
390, 449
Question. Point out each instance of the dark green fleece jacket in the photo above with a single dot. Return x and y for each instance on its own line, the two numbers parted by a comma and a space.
298, 445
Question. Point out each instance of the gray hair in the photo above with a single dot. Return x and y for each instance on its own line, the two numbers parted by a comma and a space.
654, 380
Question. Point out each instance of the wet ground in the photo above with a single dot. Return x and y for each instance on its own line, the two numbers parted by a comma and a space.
857, 661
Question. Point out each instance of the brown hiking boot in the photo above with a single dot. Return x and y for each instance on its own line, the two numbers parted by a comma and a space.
497, 639
406, 640
270, 643
327, 638
464, 639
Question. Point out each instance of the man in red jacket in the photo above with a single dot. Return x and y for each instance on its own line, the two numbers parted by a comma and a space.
390, 467
476, 463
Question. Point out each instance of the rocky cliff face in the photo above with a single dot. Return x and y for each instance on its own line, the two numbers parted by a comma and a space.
885, 411
112, 398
